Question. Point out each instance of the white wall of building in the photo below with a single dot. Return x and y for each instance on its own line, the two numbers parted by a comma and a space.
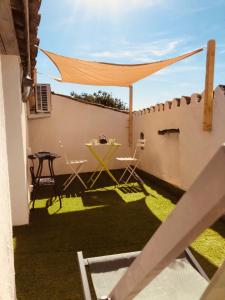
7, 273
76, 123
16, 138
175, 158
179, 158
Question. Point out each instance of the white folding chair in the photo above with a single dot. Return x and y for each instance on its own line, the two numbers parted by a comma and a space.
75, 166
132, 162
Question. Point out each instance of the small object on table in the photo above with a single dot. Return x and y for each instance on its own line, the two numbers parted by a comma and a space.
103, 140
112, 141
39, 180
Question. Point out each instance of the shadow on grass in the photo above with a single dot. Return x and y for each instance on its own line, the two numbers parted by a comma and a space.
206, 265
163, 188
130, 189
45, 251
103, 198
219, 227
75, 189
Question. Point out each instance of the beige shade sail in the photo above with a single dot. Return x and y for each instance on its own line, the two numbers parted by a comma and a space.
106, 74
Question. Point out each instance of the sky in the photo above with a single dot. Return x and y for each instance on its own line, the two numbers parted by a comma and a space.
134, 31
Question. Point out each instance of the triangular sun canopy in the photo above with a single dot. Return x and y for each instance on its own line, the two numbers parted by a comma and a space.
106, 74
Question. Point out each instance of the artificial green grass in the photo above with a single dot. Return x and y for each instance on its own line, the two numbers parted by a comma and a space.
98, 222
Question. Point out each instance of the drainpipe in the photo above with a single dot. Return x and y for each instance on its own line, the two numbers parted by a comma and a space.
27, 19
27, 82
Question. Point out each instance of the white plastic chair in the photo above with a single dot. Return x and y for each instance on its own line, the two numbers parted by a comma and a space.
132, 162
75, 166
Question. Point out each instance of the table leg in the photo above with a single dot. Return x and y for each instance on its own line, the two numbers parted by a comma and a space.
56, 191
37, 181
105, 167
50, 165
103, 164
99, 166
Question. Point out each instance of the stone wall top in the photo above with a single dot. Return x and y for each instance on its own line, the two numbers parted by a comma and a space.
184, 101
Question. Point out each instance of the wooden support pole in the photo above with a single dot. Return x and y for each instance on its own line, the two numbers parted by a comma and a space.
130, 125
209, 78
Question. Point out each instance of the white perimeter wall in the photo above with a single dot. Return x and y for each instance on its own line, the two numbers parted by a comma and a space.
15, 117
7, 281
175, 158
179, 158
76, 123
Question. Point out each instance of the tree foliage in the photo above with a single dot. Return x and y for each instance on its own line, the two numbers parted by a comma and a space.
101, 97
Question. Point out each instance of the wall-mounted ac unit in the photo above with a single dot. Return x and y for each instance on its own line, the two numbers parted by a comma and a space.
43, 98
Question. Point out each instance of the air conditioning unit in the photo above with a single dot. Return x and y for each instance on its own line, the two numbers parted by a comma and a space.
43, 98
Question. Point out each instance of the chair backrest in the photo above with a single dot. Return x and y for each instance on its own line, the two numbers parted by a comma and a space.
140, 146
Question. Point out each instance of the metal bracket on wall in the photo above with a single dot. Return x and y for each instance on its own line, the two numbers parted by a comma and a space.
171, 130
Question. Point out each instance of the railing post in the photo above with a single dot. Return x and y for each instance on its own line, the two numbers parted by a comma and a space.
209, 78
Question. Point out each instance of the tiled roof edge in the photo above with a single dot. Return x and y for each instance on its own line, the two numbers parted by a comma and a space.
89, 103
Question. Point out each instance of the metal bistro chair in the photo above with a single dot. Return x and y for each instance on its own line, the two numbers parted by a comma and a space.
132, 162
75, 166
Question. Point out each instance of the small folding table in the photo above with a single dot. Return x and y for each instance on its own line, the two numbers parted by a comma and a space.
103, 161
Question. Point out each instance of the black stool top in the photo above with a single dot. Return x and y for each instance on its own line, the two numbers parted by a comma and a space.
43, 155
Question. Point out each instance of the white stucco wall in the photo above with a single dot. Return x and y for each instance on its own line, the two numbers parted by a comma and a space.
179, 158
175, 158
16, 138
7, 277
76, 123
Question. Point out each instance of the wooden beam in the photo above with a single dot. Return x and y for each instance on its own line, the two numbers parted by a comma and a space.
198, 209
130, 125
7, 30
209, 78
27, 30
